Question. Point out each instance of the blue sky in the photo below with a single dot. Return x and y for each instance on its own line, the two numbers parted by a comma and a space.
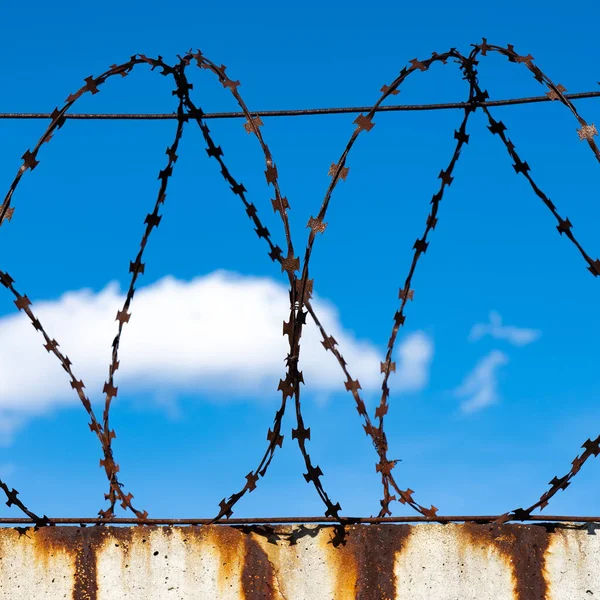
496, 386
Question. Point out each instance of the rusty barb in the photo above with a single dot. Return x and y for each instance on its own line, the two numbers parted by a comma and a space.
300, 284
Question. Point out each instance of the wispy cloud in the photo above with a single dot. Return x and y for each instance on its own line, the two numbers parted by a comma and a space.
221, 333
517, 336
479, 388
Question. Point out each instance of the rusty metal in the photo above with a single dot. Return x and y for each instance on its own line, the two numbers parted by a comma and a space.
299, 520
303, 112
301, 286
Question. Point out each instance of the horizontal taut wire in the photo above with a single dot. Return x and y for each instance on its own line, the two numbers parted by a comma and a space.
303, 112
298, 520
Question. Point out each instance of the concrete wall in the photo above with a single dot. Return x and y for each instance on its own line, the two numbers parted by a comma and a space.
404, 562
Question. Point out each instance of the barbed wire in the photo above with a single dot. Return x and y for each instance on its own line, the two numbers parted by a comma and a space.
301, 287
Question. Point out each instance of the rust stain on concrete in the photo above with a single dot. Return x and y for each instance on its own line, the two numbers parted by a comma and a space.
523, 548
344, 562
367, 560
258, 575
48, 542
377, 562
85, 584
79, 545
228, 547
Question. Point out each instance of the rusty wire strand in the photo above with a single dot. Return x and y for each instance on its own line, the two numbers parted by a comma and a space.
421, 244
281, 205
555, 92
290, 386
388, 366
30, 161
274, 436
591, 447
301, 288
302, 112
337, 171
84, 521
136, 268
12, 496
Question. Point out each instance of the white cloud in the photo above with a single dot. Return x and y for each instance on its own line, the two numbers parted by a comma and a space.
221, 333
479, 387
514, 335
415, 355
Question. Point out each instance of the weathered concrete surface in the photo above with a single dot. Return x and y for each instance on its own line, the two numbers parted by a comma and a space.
378, 562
